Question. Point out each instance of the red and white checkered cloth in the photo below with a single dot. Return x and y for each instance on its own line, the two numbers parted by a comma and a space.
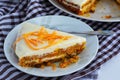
12, 13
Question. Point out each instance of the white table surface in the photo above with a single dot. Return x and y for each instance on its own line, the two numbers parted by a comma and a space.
110, 70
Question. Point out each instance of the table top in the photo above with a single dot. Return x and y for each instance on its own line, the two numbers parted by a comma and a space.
110, 70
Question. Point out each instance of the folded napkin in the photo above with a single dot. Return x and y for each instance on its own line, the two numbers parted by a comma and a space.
13, 13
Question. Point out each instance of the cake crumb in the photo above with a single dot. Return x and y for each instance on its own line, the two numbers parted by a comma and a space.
107, 16
53, 66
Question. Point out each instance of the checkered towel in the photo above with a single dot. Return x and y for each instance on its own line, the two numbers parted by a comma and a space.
12, 13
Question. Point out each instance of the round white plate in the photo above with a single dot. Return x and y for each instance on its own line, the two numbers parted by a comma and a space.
103, 8
66, 23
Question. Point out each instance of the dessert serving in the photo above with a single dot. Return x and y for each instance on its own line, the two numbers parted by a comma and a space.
80, 7
37, 46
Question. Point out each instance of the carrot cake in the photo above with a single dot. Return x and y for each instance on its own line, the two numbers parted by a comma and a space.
79, 6
37, 45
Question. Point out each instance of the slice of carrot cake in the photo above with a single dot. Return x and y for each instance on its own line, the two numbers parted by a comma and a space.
79, 6
36, 45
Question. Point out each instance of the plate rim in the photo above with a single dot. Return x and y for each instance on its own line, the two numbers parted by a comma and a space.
49, 75
82, 17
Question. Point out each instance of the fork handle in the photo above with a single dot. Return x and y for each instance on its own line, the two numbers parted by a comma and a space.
101, 32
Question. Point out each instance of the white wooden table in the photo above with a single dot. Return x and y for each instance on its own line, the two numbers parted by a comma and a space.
110, 70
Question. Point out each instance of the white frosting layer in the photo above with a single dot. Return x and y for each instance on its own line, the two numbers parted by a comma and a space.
78, 2
23, 50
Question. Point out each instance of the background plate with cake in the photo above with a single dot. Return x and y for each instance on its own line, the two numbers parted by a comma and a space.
98, 10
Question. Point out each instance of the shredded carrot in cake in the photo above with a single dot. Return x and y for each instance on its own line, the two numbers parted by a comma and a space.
36, 38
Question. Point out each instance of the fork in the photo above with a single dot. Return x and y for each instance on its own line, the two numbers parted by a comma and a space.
99, 32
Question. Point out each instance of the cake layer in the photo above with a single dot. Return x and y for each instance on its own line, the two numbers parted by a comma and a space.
57, 55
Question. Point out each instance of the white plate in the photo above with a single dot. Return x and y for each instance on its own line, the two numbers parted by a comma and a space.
69, 24
103, 8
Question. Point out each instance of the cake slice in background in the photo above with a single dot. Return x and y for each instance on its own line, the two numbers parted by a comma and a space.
118, 1
79, 7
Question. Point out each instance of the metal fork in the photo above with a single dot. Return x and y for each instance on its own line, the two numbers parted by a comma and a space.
99, 32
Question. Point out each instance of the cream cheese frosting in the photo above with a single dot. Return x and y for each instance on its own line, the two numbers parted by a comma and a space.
22, 50
78, 2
